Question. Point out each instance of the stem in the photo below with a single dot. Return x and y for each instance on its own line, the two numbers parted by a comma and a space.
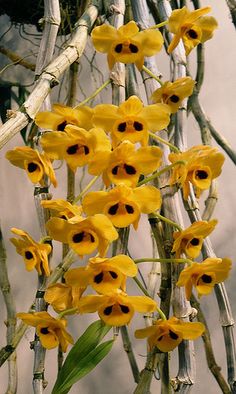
166, 220
211, 361
150, 73
160, 312
164, 23
150, 260
11, 317
94, 94
129, 351
158, 138
84, 191
157, 174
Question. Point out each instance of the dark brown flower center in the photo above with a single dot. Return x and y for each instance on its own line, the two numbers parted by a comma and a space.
28, 255
113, 209
32, 167
113, 274
44, 330
98, 278
206, 278
118, 48
129, 209
124, 308
201, 174
61, 126
122, 127
174, 98
77, 238
73, 149
192, 34
133, 48
194, 241
108, 310
130, 170
138, 126
173, 335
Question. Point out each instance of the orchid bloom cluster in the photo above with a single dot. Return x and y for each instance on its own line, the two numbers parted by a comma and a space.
113, 142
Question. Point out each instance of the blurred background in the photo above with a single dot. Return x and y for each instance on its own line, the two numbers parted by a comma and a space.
218, 97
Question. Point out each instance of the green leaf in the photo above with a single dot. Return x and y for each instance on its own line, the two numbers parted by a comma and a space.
83, 357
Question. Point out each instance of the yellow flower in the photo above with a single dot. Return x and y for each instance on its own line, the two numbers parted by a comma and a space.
190, 240
116, 308
203, 276
103, 274
173, 93
64, 209
62, 115
192, 27
51, 331
35, 254
75, 145
167, 334
123, 205
36, 164
202, 164
63, 296
85, 235
131, 120
127, 44
124, 164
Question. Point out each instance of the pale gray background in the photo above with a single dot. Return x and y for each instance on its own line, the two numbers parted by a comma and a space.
17, 210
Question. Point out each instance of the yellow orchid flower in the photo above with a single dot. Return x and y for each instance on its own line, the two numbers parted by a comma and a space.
131, 120
35, 254
64, 209
61, 116
116, 308
202, 164
191, 26
51, 331
103, 274
190, 240
37, 165
125, 164
84, 235
173, 93
123, 205
63, 296
75, 145
203, 276
167, 334
126, 44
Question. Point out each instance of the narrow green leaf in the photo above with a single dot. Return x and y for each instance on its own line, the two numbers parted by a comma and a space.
82, 349
83, 367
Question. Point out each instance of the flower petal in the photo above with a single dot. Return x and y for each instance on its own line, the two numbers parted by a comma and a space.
103, 37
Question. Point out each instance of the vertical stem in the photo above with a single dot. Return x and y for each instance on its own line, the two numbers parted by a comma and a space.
11, 317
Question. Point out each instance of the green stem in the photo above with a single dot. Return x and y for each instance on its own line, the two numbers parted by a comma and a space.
151, 260
94, 94
164, 23
168, 221
173, 147
161, 314
67, 312
157, 174
84, 191
152, 75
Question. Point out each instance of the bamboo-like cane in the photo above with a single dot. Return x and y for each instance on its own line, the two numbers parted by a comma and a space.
49, 77
11, 317
46, 50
